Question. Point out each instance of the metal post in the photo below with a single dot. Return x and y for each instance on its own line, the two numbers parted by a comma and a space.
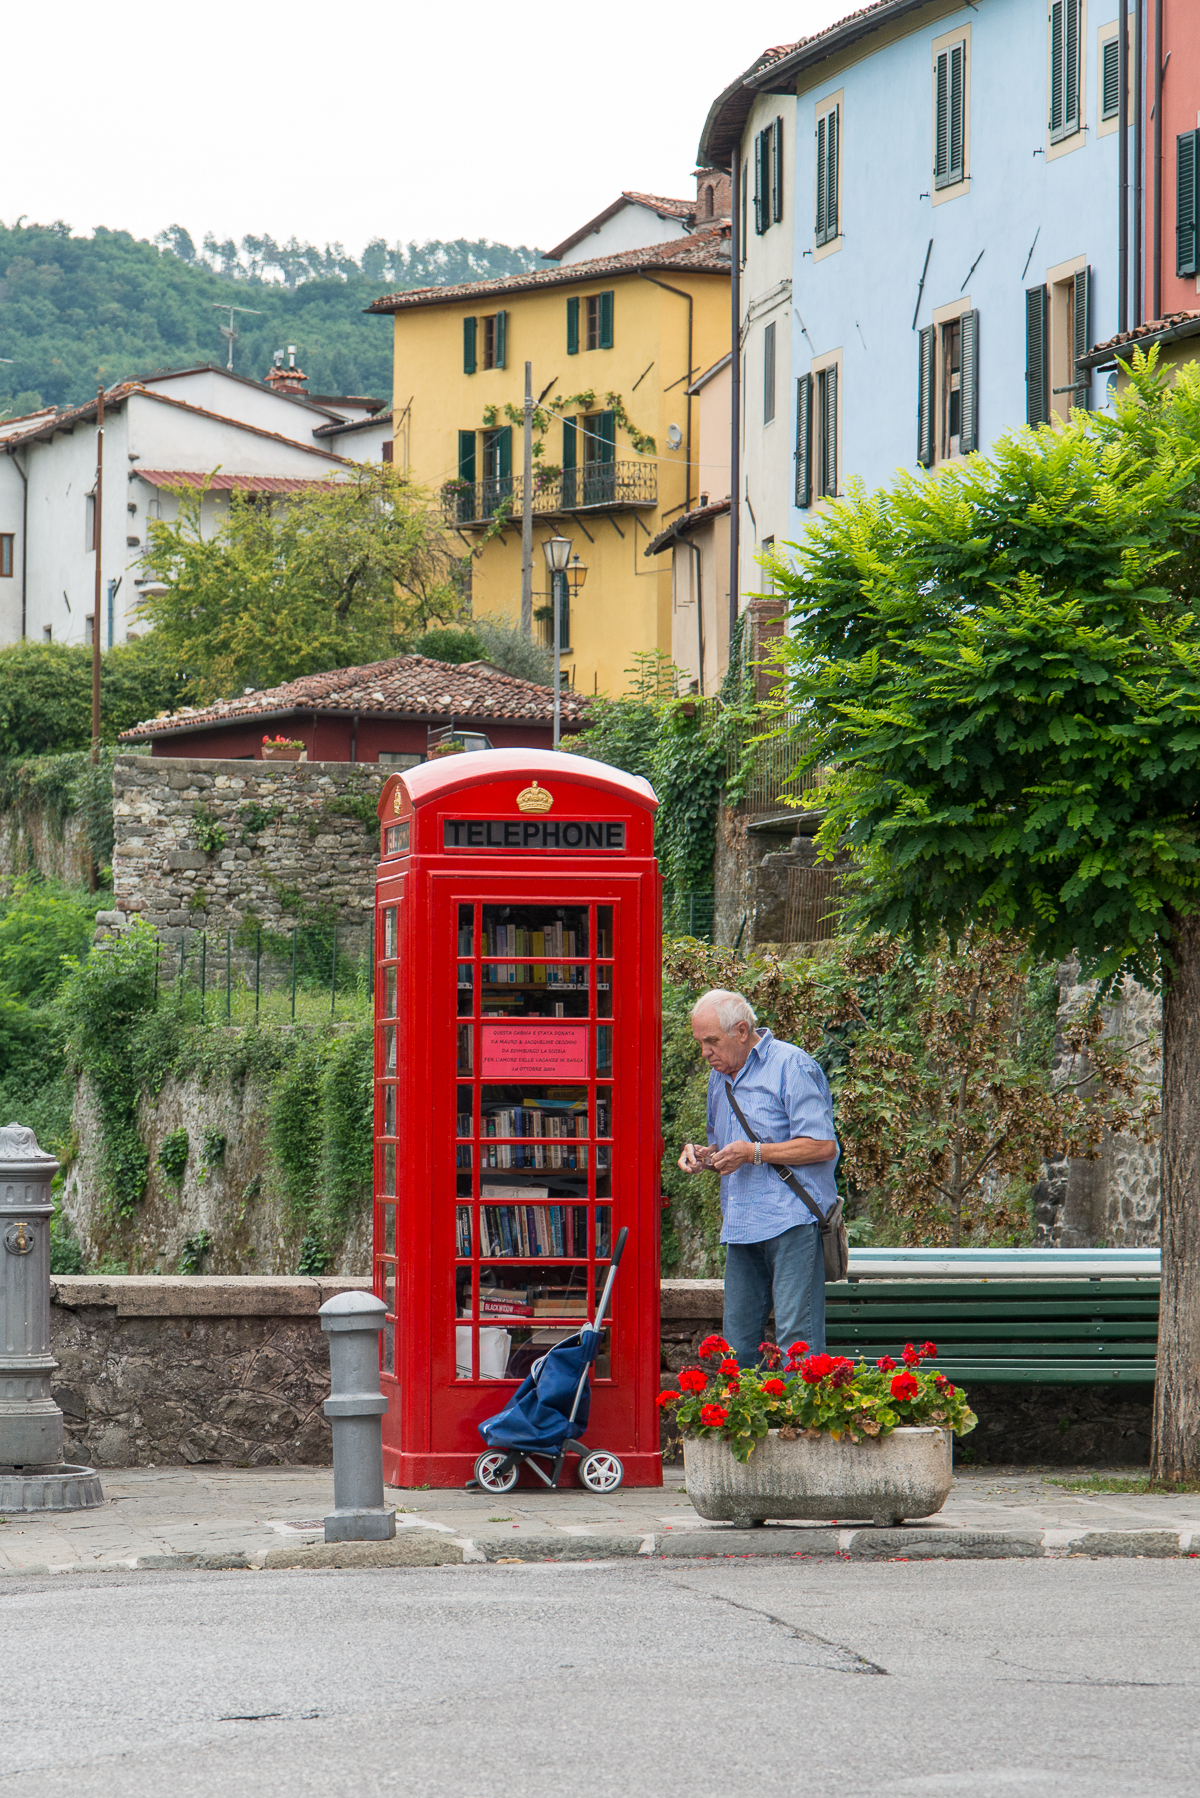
203, 970
735, 389
355, 1410
227, 998
371, 958
182, 954
333, 977
1139, 160
257, 968
559, 581
1123, 166
527, 512
294, 929
97, 539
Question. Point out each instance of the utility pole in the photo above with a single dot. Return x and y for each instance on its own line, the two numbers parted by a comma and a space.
527, 515
228, 332
97, 540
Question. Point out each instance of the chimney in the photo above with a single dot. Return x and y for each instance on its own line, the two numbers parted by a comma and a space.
286, 380
713, 197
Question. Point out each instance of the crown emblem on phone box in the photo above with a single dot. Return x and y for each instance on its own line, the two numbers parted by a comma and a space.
534, 799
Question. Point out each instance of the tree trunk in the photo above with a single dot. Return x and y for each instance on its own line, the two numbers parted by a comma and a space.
1176, 1450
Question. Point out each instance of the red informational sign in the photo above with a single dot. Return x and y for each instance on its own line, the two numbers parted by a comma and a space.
534, 1052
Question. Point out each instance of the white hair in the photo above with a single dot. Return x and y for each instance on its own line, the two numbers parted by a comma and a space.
731, 1008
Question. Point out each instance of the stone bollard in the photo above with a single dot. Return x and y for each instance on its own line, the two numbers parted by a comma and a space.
33, 1475
355, 1408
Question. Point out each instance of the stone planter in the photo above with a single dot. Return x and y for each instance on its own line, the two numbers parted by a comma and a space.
277, 752
886, 1479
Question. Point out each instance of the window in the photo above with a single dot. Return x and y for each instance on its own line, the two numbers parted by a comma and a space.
89, 522
948, 389
1064, 69
769, 374
386, 450
494, 334
89, 630
1057, 333
6, 555
1187, 155
745, 208
598, 321
47, 634
768, 177
1037, 397
950, 85
469, 335
1110, 78
767, 548
827, 175
816, 451
496, 486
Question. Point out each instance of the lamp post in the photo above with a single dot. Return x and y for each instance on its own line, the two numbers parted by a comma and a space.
557, 551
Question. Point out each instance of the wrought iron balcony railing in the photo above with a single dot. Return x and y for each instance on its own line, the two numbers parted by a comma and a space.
593, 487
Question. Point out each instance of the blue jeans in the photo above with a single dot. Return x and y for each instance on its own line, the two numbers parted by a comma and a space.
788, 1270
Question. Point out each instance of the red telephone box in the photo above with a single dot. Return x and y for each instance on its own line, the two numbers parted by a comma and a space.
517, 1115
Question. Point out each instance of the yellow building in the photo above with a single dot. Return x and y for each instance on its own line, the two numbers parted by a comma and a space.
615, 343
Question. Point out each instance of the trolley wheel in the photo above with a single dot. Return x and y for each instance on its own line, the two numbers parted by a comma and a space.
600, 1471
490, 1478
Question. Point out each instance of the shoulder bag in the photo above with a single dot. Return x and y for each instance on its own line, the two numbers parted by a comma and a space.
834, 1243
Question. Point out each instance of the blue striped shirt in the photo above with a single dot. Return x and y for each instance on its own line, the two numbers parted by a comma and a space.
783, 1093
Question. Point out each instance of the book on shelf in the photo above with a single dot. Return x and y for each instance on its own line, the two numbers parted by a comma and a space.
569, 1308
531, 1231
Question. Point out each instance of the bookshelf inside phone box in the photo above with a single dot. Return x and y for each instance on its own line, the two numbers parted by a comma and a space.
517, 1115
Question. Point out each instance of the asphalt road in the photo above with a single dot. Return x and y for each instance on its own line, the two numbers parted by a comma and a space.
1068, 1677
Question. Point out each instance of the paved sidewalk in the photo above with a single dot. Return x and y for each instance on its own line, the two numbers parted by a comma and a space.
217, 1517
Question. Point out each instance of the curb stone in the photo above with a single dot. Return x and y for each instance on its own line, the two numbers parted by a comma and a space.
946, 1545
715, 1544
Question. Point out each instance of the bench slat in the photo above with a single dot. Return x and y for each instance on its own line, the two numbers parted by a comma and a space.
1049, 1373
909, 1291
1123, 1329
1016, 1312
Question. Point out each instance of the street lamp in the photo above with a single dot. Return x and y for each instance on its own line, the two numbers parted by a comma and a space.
557, 551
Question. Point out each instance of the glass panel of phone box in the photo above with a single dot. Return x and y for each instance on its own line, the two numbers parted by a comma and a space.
533, 1223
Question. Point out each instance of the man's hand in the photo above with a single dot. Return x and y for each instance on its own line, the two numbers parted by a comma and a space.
736, 1155
689, 1162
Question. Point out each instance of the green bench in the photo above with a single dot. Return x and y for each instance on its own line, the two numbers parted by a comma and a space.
1015, 1332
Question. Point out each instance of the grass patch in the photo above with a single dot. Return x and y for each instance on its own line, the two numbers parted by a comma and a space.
1103, 1482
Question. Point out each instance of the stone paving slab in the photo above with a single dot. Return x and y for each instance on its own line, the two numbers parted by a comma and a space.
211, 1518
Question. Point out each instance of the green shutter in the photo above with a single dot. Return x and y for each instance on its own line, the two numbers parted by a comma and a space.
1110, 85
605, 427
1037, 399
745, 211
829, 459
504, 452
769, 373
501, 335
968, 383
1071, 82
469, 325
777, 171
1081, 331
941, 135
1187, 155
803, 450
573, 325
820, 219
466, 456
957, 97
760, 195
570, 442
1064, 69
925, 395
1056, 68
606, 320
831, 175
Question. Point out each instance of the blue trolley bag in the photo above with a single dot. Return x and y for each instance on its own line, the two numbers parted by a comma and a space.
537, 1418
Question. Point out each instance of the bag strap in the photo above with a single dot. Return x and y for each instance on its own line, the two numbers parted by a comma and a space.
785, 1174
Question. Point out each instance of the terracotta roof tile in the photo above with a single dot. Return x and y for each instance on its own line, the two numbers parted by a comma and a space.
687, 523
405, 685
706, 252
231, 483
1153, 330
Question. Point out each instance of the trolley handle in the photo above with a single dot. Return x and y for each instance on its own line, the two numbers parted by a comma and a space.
619, 1249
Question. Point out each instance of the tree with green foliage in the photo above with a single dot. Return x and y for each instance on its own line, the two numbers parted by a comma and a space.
1000, 665
46, 692
488, 638
337, 576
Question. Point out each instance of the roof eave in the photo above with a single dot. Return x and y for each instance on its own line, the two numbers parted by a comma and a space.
780, 77
466, 720
1118, 352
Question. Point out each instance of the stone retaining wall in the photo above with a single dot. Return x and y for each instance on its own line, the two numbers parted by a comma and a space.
170, 1371
296, 846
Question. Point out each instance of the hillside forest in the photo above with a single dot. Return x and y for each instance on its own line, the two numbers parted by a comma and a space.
77, 310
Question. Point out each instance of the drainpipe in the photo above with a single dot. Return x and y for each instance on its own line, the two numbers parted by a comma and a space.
655, 282
1139, 158
354, 739
688, 544
735, 390
1156, 277
1123, 167
24, 534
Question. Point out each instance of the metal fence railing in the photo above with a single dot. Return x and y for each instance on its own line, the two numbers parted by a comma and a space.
773, 759
689, 914
301, 975
811, 905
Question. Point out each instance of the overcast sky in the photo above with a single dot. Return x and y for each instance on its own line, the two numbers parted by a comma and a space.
349, 120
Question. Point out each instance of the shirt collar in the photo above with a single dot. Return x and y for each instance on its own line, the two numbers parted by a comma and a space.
765, 1039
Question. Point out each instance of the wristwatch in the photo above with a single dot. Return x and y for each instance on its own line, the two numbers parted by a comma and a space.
758, 1154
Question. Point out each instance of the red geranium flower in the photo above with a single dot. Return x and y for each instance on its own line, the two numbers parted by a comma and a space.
730, 1367
692, 1379
843, 1372
815, 1368
667, 1398
940, 1381
950, 1391
774, 1387
885, 1364
712, 1345
733, 1388
928, 1350
905, 1386
798, 1348
713, 1416
910, 1356
772, 1354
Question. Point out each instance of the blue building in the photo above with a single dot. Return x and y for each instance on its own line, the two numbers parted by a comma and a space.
953, 217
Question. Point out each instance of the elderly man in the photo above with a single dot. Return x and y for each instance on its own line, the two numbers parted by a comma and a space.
773, 1245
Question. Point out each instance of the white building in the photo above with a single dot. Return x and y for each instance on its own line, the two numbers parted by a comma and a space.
635, 221
191, 426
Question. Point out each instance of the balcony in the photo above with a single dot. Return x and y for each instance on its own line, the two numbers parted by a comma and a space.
557, 493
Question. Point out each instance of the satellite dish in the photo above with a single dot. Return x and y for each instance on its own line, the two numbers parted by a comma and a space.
674, 436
